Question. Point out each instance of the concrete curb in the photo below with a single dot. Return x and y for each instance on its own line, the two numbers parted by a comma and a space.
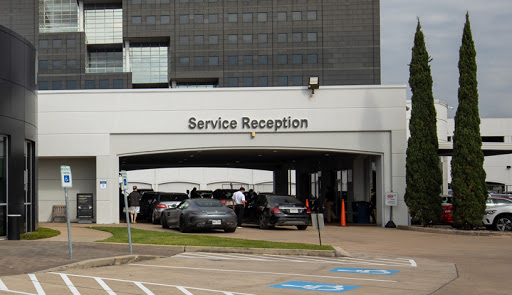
107, 261
450, 231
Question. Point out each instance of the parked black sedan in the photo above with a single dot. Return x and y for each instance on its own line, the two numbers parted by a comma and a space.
269, 211
197, 214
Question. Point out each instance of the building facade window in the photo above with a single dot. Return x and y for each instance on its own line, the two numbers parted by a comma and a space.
136, 20
213, 61
71, 43
199, 40
58, 16
312, 15
198, 18
246, 38
184, 19
104, 61
103, 84
282, 59
43, 65
297, 37
71, 84
90, 84
262, 59
199, 61
247, 82
233, 39
184, 40
247, 59
262, 38
57, 64
43, 43
297, 15
165, 19
213, 18
43, 85
312, 58
150, 20
297, 59
71, 64
282, 81
233, 60
262, 16
232, 82
312, 37
297, 80
118, 84
104, 23
57, 43
282, 37
232, 17
184, 61
213, 39
247, 17
149, 62
262, 81
281, 16
56, 85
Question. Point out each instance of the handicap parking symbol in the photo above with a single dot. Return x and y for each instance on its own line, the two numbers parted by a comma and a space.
66, 178
366, 271
318, 287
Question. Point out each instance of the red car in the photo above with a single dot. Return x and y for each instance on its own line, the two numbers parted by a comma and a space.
446, 216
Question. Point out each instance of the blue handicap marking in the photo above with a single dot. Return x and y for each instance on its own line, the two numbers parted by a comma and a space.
319, 287
124, 182
66, 178
366, 271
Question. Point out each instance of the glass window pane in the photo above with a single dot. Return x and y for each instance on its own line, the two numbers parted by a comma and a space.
165, 19
262, 81
198, 40
57, 43
213, 18
262, 38
312, 58
57, 85
247, 59
213, 61
247, 82
103, 84
233, 60
281, 16
312, 15
282, 37
296, 15
282, 81
282, 59
90, 84
247, 17
71, 84
233, 39
118, 84
297, 59
247, 38
297, 37
232, 82
43, 44
262, 16
232, 17
312, 37
150, 20
184, 19
213, 39
262, 59
184, 40
297, 80
43, 85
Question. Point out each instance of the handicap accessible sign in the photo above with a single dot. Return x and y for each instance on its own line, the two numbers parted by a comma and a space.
366, 271
318, 287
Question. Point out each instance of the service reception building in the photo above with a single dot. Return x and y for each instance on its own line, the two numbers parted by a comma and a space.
349, 137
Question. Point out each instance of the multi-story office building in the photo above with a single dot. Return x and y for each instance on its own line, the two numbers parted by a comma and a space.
91, 44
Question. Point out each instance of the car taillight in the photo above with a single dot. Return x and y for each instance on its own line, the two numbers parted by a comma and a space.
161, 206
275, 210
223, 201
309, 210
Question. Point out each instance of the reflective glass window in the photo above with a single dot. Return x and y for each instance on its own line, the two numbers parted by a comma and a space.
312, 58
71, 64
43, 43
297, 59
247, 38
282, 81
184, 19
213, 18
58, 16
297, 80
105, 61
247, 82
103, 84
149, 62
262, 81
233, 82
296, 15
247, 59
57, 43
297, 37
57, 64
165, 19
247, 17
262, 59
233, 60
213, 39
262, 38
262, 16
198, 61
282, 37
213, 61
282, 59
104, 23
136, 20
281, 16
71, 84
312, 15
312, 37
184, 61
150, 19
118, 83
57, 85
43, 85
232, 17
233, 39
90, 84
199, 40
43, 65
71, 43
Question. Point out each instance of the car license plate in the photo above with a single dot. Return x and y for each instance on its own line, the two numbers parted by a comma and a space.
294, 210
216, 222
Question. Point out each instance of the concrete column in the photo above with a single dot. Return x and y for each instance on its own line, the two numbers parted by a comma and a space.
359, 173
107, 200
302, 184
281, 181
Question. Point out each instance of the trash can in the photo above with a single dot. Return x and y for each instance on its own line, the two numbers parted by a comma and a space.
363, 212
13, 230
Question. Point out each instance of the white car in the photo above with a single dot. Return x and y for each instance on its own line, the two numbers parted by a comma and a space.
498, 217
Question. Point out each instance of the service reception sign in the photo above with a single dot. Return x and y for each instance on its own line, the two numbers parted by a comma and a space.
85, 207
391, 199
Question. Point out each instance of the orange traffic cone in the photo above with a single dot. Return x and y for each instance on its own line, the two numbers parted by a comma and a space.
343, 221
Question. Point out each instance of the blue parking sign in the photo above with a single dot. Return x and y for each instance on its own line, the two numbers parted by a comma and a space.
318, 287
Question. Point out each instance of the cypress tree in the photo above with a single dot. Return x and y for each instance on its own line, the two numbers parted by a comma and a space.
423, 174
468, 174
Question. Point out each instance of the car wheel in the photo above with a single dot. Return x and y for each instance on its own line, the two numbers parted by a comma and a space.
302, 227
153, 219
183, 227
263, 221
503, 223
163, 221
230, 230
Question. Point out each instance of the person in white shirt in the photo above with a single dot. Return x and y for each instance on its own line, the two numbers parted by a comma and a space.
239, 205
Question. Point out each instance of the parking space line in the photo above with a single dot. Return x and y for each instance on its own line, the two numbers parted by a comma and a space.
263, 272
37, 285
70, 284
306, 259
143, 288
3, 287
150, 283
105, 286
185, 291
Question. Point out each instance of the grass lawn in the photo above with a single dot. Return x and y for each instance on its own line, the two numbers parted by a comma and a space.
40, 233
120, 235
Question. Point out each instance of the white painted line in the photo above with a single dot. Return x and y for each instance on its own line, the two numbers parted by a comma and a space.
185, 291
105, 286
143, 288
19, 292
69, 284
413, 263
37, 285
263, 272
153, 284
3, 287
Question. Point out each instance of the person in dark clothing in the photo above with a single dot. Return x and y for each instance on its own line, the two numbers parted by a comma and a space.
134, 199
329, 203
193, 193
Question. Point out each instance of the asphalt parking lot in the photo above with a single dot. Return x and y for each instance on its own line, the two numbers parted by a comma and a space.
381, 261
230, 273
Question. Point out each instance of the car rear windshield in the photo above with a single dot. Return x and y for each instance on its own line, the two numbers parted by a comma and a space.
284, 200
167, 198
210, 204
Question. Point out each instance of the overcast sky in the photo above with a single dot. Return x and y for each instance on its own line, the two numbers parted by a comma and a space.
442, 22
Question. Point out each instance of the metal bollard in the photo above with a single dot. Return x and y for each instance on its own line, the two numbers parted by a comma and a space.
13, 230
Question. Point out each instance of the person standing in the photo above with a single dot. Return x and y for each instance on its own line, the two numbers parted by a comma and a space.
328, 204
239, 205
134, 199
193, 193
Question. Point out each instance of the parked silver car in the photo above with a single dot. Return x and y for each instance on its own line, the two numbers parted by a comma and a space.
163, 201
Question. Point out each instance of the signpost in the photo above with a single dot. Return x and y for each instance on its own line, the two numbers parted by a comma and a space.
67, 182
391, 200
124, 185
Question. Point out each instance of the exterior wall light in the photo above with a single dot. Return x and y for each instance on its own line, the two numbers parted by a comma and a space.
313, 84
